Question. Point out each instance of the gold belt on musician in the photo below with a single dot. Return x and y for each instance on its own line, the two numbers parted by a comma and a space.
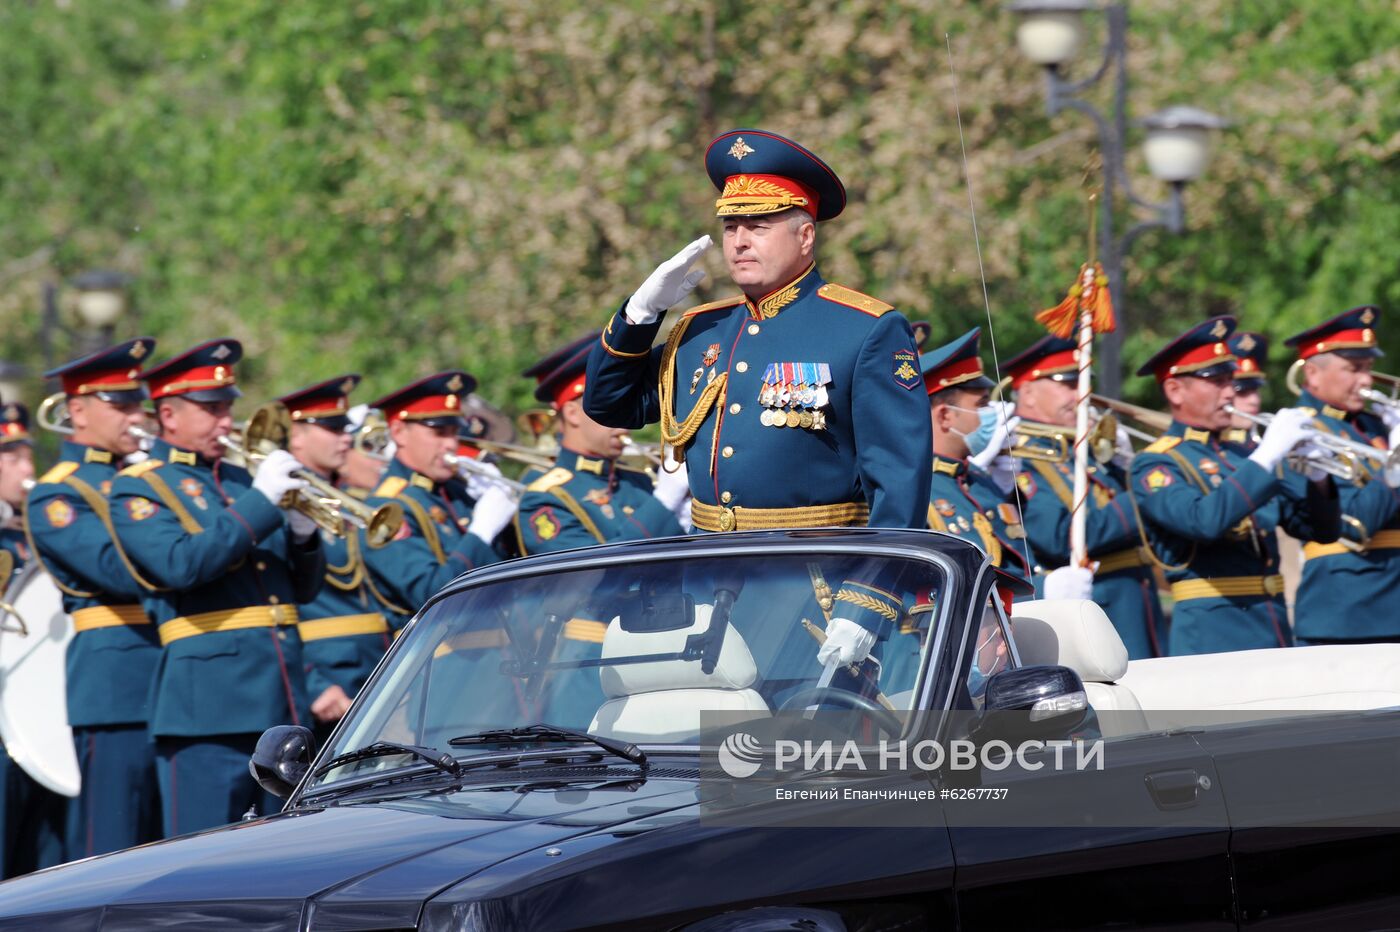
231, 619
719, 518
1381, 540
1226, 587
342, 626
1122, 560
108, 616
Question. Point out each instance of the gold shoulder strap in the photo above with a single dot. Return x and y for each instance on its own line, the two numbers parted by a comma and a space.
675, 435
167, 495
935, 520
575, 509
103, 509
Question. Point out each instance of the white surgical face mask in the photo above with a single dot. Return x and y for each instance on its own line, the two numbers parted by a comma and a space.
977, 440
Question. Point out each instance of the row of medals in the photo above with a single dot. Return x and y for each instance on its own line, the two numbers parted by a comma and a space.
778, 401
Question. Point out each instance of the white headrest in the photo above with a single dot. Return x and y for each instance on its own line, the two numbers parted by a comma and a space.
735, 668
1073, 633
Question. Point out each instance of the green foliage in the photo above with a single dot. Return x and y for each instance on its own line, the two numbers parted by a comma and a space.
403, 185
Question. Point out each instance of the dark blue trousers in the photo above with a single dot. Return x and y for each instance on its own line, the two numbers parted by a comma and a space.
31, 822
119, 806
205, 783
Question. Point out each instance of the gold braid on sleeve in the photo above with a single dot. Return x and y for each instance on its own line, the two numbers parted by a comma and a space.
675, 435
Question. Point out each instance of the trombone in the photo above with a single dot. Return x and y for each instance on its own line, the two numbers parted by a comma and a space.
52, 414
1346, 454
1103, 440
329, 507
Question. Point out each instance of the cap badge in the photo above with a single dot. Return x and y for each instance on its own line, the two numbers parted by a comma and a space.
11, 413
740, 149
1219, 330
1247, 343
222, 352
138, 349
347, 386
1367, 316
454, 383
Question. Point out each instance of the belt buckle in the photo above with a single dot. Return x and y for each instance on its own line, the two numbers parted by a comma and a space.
276, 615
726, 519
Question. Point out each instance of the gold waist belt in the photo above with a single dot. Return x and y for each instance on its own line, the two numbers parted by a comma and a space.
231, 619
1224, 587
1381, 540
1122, 560
718, 518
342, 626
108, 616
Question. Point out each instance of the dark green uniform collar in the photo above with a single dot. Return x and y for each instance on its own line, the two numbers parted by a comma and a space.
82, 453
1309, 400
412, 477
1179, 429
774, 301
167, 452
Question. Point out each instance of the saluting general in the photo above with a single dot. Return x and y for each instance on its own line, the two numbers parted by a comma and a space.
797, 403
1349, 587
227, 564
113, 654
1211, 512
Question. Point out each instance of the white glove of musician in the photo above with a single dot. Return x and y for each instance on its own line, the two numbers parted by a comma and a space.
847, 641
672, 488
479, 483
1394, 436
1070, 582
1290, 427
1006, 423
1389, 415
274, 477
665, 287
492, 512
1003, 471
301, 526
1122, 447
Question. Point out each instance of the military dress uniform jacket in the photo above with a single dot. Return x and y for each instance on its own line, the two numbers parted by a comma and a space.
965, 501
584, 501
343, 629
1124, 585
1211, 514
228, 578
1348, 587
114, 652
837, 368
431, 549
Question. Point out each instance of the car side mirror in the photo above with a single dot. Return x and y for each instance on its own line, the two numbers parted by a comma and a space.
281, 758
1035, 702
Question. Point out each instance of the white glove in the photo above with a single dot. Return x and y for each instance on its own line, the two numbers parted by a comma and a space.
1006, 423
1003, 471
664, 288
1389, 415
1290, 427
1394, 436
481, 482
492, 512
301, 526
1122, 447
1070, 582
274, 478
672, 488
847, 641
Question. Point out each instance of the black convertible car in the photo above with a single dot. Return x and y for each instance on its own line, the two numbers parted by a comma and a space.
542, 749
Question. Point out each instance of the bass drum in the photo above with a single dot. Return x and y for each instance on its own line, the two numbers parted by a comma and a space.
33, 675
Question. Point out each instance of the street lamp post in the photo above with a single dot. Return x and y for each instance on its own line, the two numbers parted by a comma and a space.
101, 301
1177, 147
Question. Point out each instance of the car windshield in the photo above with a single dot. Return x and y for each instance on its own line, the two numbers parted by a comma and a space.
636, 651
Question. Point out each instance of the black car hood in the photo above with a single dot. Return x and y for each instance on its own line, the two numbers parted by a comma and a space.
361, 865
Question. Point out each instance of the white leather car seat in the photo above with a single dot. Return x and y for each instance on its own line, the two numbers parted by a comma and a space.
1076, 633
662, 701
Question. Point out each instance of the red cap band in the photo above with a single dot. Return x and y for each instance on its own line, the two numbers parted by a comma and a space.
115, 380
1195, 359
1341, 339
428, 406
568, 392
763, 194
1052, 364
192, 380
953, 374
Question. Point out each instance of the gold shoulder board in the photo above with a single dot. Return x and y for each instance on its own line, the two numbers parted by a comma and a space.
714, 305
840, 294
141, 468
556, 476
391, 487
59, 472
1161, 444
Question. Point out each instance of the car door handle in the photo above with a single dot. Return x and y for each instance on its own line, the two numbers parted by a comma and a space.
1176, 789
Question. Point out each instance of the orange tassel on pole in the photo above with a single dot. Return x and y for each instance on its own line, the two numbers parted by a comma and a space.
1061, 319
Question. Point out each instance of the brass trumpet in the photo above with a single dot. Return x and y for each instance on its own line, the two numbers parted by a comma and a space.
372, 439
1346, 454
268, 430
52, 414
467, 467
1103, 440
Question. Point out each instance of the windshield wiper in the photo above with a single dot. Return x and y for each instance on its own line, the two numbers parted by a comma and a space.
439, 759
545, 732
